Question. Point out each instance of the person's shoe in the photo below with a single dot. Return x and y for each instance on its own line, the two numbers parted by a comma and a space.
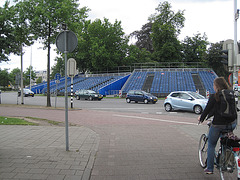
208, 171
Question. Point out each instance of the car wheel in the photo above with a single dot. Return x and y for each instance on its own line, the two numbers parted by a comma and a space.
145, 101
136, 101
77, 97
90, 98
33, 95
197, 109
128, 100
168, 107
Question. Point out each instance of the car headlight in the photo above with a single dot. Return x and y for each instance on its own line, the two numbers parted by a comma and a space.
150, 98
96, 95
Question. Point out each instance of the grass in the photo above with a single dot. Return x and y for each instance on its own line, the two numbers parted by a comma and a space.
49, 121
14, 121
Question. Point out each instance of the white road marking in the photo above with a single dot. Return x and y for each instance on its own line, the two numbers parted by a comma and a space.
154, 119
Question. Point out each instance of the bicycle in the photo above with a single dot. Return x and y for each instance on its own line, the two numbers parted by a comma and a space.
226, 159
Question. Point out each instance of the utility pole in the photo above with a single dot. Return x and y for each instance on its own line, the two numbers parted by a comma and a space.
235, 54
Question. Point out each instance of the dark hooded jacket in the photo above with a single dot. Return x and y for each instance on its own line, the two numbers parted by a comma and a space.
211, 110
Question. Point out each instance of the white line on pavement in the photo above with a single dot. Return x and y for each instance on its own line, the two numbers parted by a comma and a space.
154, 119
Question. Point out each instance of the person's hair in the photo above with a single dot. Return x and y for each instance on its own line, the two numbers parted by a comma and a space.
220, 84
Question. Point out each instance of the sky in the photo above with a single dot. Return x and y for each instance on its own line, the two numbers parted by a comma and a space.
213, 17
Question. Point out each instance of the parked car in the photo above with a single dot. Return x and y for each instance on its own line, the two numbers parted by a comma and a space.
186, 101
26, 92
88, 95
140, 96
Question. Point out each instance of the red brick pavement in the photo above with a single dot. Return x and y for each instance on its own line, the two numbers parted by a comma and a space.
134, 146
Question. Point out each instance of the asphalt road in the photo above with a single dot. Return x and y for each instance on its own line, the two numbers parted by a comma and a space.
106, 104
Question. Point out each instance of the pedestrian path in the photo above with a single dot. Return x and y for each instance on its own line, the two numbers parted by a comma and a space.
38, 152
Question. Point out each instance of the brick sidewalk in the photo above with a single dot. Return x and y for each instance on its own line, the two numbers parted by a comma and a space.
116, 146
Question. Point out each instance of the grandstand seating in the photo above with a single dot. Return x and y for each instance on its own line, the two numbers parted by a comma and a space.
164, 82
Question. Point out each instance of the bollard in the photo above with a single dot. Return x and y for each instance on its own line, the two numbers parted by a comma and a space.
0, 96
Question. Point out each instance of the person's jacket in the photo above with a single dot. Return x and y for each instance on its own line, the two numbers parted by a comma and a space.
211, 110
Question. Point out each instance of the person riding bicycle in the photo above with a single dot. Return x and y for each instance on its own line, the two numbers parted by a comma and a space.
219, 123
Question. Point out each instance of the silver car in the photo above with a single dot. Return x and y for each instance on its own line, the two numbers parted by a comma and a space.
186, 101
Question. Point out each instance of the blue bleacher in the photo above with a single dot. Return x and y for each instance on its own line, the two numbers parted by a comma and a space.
164, 82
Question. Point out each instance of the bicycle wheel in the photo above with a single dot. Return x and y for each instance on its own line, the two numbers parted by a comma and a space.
202, 150
227, 165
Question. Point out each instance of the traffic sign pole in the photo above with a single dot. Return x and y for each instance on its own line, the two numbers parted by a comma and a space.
66, 94
66, 42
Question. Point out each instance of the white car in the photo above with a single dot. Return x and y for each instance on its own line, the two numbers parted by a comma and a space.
186, 101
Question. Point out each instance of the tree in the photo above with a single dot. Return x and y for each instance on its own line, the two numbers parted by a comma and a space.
27, 75
166, 26
143, 37
108, 45
214, 59
47, 18
102, 46
15, 76
4, 78
39, 80
136, 55
8, 43
59, 67
195, 48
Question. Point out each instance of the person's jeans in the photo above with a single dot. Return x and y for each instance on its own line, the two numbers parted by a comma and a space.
213, 136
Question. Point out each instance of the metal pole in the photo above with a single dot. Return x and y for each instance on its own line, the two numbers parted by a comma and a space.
22, 75
56, 95
66, 94
235, 48
30, 70
71, 91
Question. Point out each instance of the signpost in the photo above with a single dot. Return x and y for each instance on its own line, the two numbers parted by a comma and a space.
66, 42
57, 77
71, 72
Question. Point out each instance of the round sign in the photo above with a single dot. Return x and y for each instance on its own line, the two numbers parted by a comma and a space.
71, 40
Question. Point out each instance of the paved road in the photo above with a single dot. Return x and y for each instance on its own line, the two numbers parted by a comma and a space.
129, 145
116, 105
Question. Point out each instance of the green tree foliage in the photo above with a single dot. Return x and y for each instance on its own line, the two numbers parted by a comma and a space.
39, 80
214, 59
15, 76
195, 48
166, 26
82, 52
26, 75
102, 46
59, 67
4, 78
8, 43
108, 45
46, 18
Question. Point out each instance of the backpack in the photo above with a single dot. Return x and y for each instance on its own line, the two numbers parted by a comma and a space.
227, 108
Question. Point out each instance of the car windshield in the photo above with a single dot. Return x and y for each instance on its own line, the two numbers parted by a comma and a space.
91, 92
196, 95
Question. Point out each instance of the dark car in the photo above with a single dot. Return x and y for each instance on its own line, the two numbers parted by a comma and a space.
140, 96
26, 93
88, 95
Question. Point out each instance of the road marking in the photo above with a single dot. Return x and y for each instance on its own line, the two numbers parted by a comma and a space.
154, 119
126, 108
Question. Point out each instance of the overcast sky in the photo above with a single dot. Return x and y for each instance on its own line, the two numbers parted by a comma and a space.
213, 17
